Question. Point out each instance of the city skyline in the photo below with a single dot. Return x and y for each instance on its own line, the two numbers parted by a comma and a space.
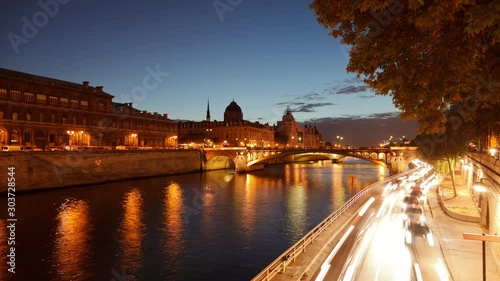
174, 57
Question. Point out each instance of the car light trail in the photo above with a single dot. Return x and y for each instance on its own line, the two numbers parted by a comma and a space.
326, 265
366, 206
418, 273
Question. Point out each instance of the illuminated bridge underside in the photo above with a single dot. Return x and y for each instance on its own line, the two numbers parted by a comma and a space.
243, 159
377, 157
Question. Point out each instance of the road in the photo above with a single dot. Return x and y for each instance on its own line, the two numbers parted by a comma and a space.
378, 246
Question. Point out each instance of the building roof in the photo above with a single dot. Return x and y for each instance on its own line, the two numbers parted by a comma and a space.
7, 73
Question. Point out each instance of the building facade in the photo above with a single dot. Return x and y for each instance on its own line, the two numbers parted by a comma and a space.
235, 131
45, 112
289, 134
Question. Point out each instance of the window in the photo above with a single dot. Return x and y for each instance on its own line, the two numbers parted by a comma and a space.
64, 101
27, 136
84, 104
74, 103
28, 116
41, 98
3, 93
84, 121
53, 118
1, 114
52, 137
74, 120
100, 106
14, 137
29, 97
53, 100
14, 115
64, 120
41, 116
15, 95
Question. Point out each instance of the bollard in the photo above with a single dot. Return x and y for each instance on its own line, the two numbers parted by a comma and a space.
284, 260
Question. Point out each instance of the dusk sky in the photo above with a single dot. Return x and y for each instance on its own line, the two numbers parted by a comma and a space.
266, 55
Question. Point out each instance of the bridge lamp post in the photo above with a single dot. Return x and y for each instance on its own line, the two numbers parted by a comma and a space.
339, 140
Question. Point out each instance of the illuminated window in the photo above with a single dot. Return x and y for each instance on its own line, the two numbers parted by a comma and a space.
29, 97
64, 101
3, 93
41, 98
53, 100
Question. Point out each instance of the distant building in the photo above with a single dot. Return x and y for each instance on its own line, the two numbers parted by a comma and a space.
43, 112
289, 134
235, 131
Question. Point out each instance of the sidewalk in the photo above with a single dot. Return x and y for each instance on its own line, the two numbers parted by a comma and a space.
450, 219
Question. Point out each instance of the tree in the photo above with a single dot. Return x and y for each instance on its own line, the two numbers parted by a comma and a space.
449, 146
426, 55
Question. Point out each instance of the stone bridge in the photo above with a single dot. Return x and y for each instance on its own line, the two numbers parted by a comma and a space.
246, 159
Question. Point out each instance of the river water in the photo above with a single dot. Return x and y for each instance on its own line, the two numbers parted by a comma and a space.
210, 226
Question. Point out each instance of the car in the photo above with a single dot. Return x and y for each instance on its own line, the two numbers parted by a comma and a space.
413, 214
409, 199
416, 231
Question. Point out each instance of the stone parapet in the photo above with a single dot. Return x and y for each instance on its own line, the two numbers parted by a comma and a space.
41, 170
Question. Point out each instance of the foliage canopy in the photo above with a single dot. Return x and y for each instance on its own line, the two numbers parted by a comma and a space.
426, 55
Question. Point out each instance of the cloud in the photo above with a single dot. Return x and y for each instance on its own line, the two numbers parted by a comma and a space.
310, 107
296, 106
351, 90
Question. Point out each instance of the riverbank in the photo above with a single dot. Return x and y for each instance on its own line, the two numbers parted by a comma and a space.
45, 170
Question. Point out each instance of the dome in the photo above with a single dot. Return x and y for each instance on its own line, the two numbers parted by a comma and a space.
233, 113
288, 117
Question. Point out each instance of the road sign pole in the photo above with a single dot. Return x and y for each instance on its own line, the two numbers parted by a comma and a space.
482, 237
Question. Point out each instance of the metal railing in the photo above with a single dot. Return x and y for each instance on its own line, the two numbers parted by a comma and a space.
294, 251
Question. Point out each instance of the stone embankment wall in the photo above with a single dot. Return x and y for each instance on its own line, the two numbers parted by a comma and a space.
39, 170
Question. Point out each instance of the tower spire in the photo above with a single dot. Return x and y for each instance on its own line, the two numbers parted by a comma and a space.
208, 111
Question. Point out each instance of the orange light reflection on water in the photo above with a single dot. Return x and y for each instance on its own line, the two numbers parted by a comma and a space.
131, 232
72, 240
173, 226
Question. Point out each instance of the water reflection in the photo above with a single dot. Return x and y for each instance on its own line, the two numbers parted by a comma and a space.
72, 251
339, 194
296, 203
173, 226
249, 208
131, 232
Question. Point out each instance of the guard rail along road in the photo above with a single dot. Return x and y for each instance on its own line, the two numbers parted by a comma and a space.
294, 251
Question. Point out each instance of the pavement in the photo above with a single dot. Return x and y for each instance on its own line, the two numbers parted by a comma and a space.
448, 223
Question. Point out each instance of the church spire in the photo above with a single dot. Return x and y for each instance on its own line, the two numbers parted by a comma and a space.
208, 111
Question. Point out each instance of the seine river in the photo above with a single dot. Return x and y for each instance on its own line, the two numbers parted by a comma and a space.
209, 226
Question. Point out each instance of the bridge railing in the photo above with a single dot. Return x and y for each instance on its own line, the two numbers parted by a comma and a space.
294, 251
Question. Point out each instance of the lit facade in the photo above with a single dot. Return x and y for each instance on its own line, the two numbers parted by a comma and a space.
235, 131
289, 134
45, 112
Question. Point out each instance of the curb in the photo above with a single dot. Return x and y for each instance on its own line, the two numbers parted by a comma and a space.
452, 214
